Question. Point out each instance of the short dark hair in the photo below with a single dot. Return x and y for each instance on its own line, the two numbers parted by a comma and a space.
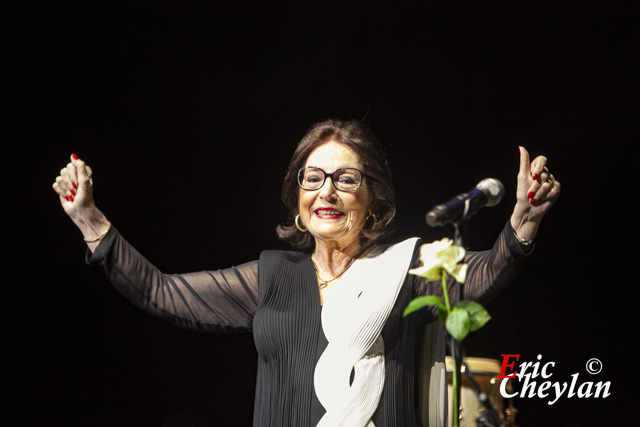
359, 137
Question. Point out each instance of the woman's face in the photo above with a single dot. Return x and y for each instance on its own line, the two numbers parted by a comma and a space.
330, 214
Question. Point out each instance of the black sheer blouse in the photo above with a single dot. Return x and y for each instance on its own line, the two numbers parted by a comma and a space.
232, 299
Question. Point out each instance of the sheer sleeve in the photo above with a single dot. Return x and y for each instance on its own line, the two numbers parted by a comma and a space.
217, 301
489, 271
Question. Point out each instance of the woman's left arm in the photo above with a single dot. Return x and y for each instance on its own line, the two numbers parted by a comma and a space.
490, 271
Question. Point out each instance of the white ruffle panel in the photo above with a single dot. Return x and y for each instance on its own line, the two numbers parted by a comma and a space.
349, 377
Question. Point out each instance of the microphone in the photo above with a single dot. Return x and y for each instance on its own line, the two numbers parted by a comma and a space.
488, 192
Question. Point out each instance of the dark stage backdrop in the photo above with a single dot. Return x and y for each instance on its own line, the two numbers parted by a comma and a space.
188, 116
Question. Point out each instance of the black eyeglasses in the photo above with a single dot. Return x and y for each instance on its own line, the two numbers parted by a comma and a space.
343, 179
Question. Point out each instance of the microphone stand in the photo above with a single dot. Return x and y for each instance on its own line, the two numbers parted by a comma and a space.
456, 346
490, 418
462, 206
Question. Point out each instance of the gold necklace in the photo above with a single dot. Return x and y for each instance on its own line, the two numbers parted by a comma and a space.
324, 283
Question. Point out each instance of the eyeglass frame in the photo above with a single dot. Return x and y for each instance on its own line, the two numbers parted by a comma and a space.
329, 175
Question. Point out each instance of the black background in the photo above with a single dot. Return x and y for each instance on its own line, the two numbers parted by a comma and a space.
188, 116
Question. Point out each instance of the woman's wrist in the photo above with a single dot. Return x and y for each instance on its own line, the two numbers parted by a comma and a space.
92, 224
525, 229
100, 236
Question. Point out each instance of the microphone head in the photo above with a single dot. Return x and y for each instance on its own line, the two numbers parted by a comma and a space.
436, 217
493, 189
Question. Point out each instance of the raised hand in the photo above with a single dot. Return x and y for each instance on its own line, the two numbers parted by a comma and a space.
536, 193
74, 186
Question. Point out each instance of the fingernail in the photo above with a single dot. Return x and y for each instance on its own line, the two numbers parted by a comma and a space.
74, 185
67, 197
532, 201
73, 192
74, 156
71, 198
535, 176
530, 195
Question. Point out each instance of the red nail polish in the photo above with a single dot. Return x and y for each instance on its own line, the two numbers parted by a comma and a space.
68, 199
73, 192
530, 195
532, 201
535, 176
71, 198
74, 185
74, 156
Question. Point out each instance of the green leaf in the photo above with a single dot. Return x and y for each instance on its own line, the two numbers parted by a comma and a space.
420, 302
458, 323
477, 314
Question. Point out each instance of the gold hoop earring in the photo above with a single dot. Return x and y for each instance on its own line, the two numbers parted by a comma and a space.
304, 230
375, 221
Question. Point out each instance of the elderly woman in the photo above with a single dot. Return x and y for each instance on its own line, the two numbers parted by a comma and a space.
327, 320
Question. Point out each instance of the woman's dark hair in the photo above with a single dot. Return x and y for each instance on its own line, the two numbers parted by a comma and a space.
357, 136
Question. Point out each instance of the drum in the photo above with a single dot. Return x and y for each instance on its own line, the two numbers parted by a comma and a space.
484, 371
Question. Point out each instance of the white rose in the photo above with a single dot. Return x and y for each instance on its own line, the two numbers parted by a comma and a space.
439, 258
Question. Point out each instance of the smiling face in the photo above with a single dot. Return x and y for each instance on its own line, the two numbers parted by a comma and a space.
330, 214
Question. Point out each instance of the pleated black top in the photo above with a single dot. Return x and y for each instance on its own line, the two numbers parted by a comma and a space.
277, 299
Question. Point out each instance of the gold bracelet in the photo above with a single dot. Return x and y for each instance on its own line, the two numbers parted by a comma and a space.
100, 236
524, 242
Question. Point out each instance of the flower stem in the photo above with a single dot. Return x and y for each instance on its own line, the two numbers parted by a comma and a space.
454, 375
446, 294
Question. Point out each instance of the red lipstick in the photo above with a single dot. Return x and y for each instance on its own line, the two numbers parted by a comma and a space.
328, 213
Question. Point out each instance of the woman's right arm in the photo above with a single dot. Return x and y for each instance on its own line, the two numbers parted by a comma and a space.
208, 300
